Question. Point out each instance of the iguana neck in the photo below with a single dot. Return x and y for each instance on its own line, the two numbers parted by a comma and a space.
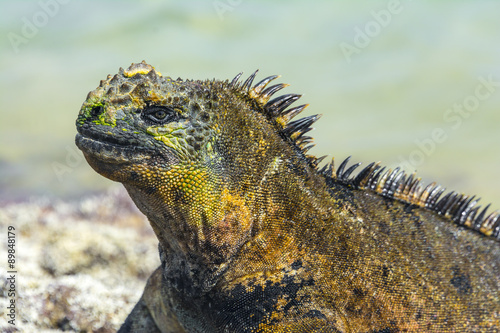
202, 232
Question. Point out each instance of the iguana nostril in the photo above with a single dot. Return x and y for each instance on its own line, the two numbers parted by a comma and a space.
96, 111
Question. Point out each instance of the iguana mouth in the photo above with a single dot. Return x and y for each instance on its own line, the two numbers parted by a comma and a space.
110, 146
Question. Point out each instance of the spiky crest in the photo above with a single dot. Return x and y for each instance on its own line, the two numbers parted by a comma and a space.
277, 109
394, 184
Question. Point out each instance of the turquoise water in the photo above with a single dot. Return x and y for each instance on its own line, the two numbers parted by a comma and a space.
390, 78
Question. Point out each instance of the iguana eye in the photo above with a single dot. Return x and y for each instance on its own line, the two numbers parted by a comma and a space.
159, 114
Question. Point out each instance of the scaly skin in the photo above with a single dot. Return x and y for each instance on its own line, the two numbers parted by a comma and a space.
253, 238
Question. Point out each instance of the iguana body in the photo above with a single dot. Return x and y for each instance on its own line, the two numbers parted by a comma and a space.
254, 238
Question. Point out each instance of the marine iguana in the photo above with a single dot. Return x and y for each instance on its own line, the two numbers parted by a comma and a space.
255, 237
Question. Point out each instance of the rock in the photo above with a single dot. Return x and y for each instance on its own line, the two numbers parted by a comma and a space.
81, 265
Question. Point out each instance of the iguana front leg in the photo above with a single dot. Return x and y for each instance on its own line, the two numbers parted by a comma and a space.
150, 314
139, 321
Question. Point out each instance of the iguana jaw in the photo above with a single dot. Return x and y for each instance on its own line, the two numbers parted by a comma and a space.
107, 152
114, 152
108, 149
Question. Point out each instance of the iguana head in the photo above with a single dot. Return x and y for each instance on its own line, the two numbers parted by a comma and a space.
192, 154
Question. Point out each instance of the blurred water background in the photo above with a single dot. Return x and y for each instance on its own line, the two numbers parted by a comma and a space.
389, 77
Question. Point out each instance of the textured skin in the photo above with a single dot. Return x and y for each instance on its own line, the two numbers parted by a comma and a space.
253, 238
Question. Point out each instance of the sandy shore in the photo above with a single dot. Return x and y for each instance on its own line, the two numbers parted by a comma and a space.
81, 266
